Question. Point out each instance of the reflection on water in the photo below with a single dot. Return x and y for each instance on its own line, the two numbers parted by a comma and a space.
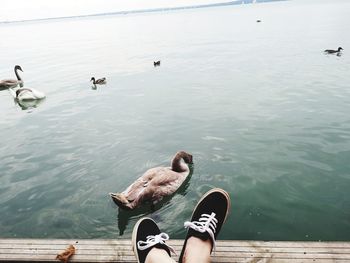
97, 87
28, 104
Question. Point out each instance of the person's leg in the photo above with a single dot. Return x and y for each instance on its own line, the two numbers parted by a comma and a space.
158, 255
197, 250
207, 219
149, 243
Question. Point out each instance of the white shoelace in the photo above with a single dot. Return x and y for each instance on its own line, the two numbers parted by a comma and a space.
206, 223
154, 240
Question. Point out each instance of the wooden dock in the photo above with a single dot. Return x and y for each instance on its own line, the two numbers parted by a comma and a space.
109, 250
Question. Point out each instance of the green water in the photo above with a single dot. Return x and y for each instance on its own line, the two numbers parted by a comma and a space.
263, 111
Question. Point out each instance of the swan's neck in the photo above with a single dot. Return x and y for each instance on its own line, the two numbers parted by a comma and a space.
21, 90
177, 165
17, 75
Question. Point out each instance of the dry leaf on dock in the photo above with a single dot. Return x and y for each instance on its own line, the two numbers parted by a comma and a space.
65, 255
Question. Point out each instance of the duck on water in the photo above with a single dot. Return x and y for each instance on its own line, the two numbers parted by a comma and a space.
11, 83
101, 81
332, 51
156, 183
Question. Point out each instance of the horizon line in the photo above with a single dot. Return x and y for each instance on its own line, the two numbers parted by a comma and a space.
139, 11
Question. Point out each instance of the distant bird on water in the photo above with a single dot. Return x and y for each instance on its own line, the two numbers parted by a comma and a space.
101, 81
332, 51
11, 83
156, 63
258, 21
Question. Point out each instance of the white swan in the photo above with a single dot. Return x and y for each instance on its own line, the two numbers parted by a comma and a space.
11, 83
26, 94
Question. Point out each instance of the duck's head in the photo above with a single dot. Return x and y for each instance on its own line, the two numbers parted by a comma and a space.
17, 67
186, 157
92, 79
340, 48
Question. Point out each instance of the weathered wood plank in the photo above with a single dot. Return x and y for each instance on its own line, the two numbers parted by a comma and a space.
276, 244
217, 253
43, 250
221, 243
236, 243
112, 249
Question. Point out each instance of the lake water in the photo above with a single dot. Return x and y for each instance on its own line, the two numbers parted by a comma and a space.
263, 111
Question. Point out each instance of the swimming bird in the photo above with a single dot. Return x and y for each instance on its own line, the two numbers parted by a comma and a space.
331, 51
27, 94
98, 81
11, 83
156, 63
155, 183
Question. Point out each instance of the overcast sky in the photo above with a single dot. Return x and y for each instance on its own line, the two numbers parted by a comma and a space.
31, 9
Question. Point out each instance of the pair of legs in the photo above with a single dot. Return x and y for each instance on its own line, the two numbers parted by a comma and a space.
149, 243
196, 251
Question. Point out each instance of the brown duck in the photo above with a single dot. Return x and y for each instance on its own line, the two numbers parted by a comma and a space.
101, 81
156, 183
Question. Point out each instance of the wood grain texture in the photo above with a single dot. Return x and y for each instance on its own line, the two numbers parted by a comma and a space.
107, 250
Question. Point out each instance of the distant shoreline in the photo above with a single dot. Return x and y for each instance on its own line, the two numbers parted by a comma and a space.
151, 10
